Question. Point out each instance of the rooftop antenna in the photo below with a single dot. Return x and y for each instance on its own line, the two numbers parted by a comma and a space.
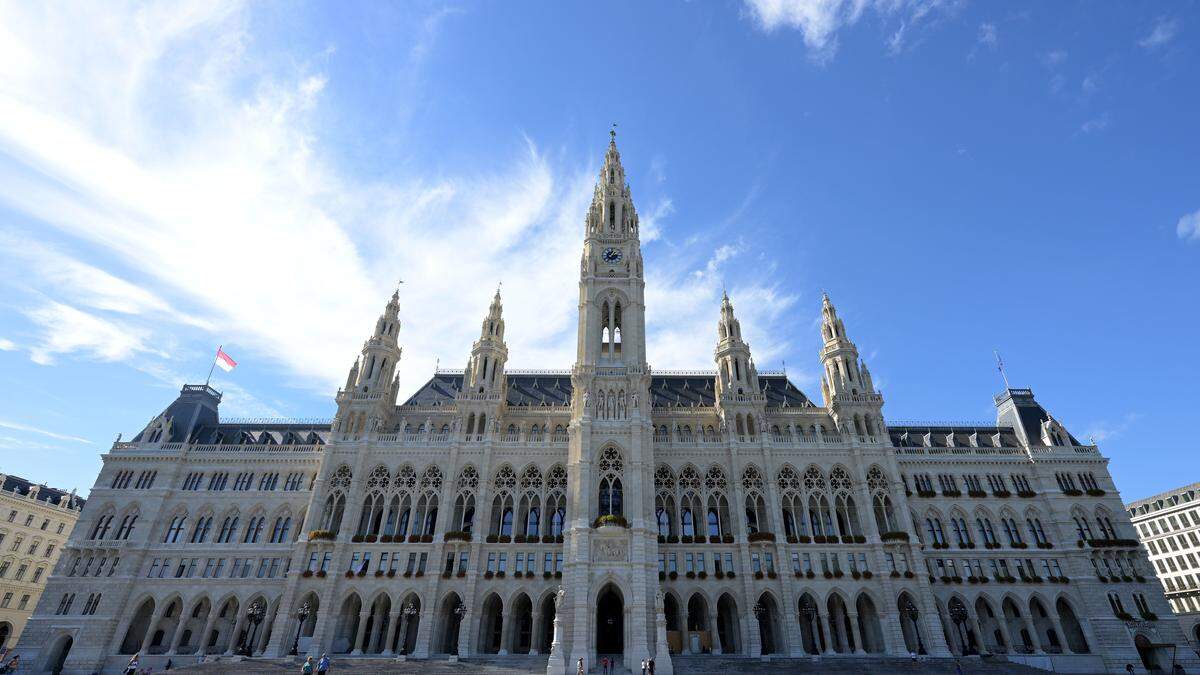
1000, 367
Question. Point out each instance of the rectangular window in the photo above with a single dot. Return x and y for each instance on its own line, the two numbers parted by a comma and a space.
218, 569
700, 562
24, 602
530, 562
755, 563
462, 561
674, 563
891, 561
687, 564
548, 563
796, 563
263, 565
558, 562
425, 559
662, 562
520, 562
729, 569
862, 562
449, 569
353, 562
7, 600
491, 563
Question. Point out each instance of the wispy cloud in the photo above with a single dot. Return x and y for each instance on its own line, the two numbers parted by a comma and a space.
1096, 124
17, 426
7, 345
1164, 31
820, 20
1188, 227
198, 199
1107, 430
988, 36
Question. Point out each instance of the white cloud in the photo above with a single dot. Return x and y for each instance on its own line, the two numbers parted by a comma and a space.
1163, 32
650, 224
820, 20
1096, 124
1108, 430
17, 426
192, 180
1188, 227
1054, 58
987, 35
67, 330
7, 345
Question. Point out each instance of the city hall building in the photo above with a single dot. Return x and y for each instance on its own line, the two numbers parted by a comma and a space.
543, 517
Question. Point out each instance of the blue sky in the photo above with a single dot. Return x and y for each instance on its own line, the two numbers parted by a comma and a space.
960, 177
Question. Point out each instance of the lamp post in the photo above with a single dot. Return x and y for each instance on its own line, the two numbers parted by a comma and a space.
409, 611
910, 610
254, 615
301, 615
460, 611
808, 613
958, 614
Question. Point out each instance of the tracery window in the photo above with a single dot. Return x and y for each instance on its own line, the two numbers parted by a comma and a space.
611, 468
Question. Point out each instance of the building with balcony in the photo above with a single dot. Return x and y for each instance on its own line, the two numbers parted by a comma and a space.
608, 509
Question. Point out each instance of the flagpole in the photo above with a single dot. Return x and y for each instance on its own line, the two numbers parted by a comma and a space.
214, 365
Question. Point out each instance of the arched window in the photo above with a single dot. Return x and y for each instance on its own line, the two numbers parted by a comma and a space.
610, 493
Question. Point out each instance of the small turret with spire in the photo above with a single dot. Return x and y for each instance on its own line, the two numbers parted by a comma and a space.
846, 383
739, 396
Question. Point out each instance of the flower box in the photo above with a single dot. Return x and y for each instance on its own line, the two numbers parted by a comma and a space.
371, 538
319, 535
867, 574
378, 573
685, 539
413, 538
760, 536
976, 494
1095, 492
702, 574
357, 539
306, 573
386, 538
896, 535
460, 574
1026, 494
391, 574
321, 574
758, 575
673, 575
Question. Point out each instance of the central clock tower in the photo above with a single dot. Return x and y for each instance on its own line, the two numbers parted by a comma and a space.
611, 574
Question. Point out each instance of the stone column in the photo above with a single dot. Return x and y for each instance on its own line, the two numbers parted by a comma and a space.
506, 626
376, 633
238, 624
1033, 633
1002, 622
208, 626
422, 648
856, 633
174, 646
828, 648
360, 636
981, 640
395, 627
154, 619
464, 634
1058, 630
714, 634
533, 631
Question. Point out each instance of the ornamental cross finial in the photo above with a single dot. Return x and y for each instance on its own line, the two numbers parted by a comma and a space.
613, 132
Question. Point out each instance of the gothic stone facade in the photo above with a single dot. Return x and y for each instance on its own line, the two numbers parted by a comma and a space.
608, 509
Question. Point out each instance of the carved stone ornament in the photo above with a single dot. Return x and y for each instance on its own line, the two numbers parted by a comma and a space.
610, 550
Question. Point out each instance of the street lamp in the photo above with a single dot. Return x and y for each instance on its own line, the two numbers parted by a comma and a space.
301, 615
808, 613
409, 611
910, 610
958, 614
254, 614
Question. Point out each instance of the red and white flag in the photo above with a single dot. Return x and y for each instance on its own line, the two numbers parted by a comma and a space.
224, 362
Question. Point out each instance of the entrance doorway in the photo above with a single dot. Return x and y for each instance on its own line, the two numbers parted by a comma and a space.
610, 622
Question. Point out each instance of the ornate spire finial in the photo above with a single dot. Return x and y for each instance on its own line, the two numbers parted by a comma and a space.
612, 133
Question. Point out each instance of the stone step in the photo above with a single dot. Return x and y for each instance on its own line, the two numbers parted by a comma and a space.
712, 665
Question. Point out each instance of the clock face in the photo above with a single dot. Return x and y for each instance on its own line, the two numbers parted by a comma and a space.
612, 255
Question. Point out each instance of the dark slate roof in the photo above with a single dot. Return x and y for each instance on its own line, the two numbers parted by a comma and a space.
195, 419
913, 436
555, 389
45, 494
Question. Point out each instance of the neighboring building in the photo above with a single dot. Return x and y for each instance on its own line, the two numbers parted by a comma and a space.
606, 509
35, 522
1169, 526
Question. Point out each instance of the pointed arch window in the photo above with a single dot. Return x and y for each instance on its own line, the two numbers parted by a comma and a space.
611, 501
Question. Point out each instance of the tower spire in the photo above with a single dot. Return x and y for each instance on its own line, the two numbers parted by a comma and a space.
846, 383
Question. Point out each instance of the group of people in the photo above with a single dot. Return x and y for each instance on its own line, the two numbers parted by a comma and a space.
321, 666
608, 664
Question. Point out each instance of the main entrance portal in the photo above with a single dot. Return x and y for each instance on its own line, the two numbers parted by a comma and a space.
610, 625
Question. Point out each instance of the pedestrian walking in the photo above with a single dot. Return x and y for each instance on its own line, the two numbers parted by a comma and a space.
131, 668
579, 668
307, 668
323, 664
